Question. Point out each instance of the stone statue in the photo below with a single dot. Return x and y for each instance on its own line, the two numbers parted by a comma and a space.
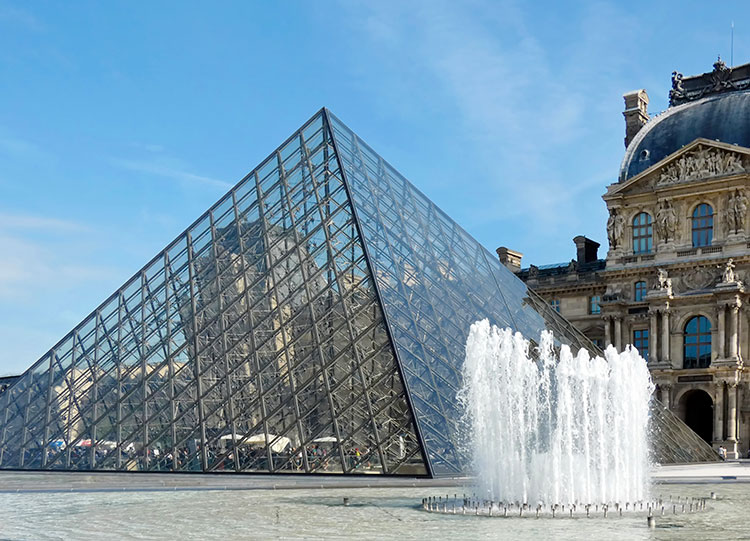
615, 228
677, 81
663, 281
721, 76
678, 91
666, 221
728, 276
737, 211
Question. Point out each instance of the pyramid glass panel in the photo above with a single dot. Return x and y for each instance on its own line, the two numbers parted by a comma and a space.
254, 342
311, 321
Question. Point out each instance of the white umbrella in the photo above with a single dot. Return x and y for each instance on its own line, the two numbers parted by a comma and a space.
278, 445
106, 444
326, 439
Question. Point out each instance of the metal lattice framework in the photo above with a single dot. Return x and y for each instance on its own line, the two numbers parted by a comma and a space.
313, 320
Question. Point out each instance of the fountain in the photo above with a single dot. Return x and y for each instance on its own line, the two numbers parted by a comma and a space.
555, 435
551, 430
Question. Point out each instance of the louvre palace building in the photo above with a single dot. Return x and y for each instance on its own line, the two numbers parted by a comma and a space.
674, 282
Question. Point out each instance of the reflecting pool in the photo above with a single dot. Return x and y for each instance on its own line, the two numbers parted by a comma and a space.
373, 513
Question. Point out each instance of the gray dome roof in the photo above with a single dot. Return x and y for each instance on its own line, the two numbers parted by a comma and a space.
725, 117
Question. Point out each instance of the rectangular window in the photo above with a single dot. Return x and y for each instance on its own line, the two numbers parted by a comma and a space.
598, 342
703, 225
594, 307
555, 304
640, 341
640, 291
642, 234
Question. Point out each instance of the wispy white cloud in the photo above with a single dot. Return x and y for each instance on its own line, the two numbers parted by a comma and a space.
52, 271
17, 16
18, 147
31, 267
26, 222
522, 105
152, 167
149, 147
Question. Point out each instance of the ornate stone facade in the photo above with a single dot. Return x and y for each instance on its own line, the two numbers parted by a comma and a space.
673, 280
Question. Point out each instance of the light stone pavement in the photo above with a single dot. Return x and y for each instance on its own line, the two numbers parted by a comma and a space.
25, 482
18, 482
731, 471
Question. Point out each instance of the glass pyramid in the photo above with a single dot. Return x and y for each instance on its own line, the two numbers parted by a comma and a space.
312, 321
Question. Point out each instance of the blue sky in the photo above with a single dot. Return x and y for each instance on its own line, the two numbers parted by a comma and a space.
121, 122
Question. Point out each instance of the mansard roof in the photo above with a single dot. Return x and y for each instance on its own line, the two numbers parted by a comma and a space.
714, 105
700, 159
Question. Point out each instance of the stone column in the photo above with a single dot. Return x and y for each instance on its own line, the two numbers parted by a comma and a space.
734, 326
665, 336
732, 419
618, 333
607, 332
732, 411
666, 396
653, 357
718, 411
721, 317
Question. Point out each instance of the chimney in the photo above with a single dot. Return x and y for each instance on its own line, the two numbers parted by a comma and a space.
510, 258
636, 113
587, 249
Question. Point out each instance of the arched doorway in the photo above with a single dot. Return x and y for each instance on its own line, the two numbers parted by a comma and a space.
696, 409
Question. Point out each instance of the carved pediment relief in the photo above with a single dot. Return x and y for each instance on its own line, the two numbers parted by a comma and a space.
700, 160
703, 163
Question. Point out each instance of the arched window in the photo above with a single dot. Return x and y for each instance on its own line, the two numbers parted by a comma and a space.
642, 233
703, 225
697, 343
639, 291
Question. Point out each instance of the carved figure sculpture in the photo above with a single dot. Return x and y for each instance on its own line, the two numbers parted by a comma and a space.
728, 276
701, 163
615, 228
663, 281
720, 77
678, 91
666, 221
737, 211
677, 81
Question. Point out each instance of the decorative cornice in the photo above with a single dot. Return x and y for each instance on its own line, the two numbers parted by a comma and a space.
592, 287
612, 273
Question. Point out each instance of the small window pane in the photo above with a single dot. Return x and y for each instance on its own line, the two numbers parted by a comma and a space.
640, 341
642, 234
594, 307
703, 225
640, 291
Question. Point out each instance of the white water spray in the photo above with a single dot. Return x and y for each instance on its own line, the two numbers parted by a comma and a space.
567, 430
